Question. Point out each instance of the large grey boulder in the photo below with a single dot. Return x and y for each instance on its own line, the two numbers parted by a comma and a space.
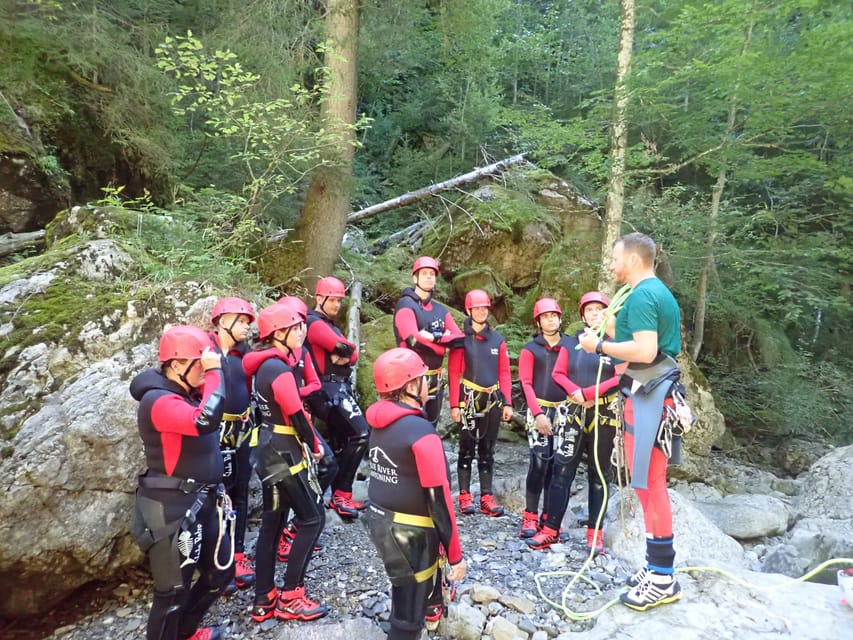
70, 341
714, 606
824, 517
698, 541
746, 516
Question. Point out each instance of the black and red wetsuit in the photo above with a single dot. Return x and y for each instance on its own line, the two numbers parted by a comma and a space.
284, 466
535, 365
180, 437
335, 404
578, 370
410, 515
235, 435
480, 383
309, 385
410, 316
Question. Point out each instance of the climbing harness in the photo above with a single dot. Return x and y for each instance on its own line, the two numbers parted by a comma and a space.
478, 402
539, 441
566, 433
436, 380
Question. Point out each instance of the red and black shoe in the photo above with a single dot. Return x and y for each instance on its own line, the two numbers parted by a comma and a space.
433, 616
295, 605
529, 524
596, 536
489, 506
544, 539
206, 633
342, 504
264, 606
466, 503
243, 574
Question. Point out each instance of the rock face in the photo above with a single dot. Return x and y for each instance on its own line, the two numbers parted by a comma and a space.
70, 341
824, 517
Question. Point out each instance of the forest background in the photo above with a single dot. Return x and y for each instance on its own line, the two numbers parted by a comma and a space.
234, 117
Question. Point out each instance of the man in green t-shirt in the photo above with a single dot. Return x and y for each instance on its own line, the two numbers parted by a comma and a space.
648, 337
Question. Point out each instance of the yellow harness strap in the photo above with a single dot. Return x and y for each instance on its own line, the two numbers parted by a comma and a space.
476, 387
237, 417
548, 403
413, 520
426, 574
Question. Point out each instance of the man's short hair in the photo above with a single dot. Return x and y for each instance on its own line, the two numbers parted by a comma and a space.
640, 244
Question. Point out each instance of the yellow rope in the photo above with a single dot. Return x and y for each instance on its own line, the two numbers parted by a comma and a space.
578, 575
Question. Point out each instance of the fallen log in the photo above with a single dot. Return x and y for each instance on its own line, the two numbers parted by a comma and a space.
13, 242
433, 189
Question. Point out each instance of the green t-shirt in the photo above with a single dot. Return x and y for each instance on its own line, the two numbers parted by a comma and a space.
651, 307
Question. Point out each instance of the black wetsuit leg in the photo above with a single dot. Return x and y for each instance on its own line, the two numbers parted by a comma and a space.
488, 430
239, 494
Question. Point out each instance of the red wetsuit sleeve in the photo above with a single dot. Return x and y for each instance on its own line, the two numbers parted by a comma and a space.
173, 417
504, 375
455, 369
432, 472
603, 387
450, 325
560, 374
286, 394
310, 379
173, 414
525, 374
407, 327
323, 338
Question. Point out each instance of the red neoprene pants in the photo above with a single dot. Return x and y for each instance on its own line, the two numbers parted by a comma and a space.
657, 509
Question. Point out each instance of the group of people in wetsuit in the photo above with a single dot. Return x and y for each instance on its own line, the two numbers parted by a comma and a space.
214, 410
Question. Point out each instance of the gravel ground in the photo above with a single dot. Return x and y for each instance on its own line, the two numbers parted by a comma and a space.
348, 576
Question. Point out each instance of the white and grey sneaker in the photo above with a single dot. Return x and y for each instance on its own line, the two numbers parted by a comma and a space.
654, 590
637, 578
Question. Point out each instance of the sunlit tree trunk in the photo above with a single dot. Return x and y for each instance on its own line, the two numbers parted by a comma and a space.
618, 144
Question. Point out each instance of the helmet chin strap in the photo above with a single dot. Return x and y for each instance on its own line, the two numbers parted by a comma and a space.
417, 397
283, 343
231, 326
183, 376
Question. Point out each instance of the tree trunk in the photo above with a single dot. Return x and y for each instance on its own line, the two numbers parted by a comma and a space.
618, 145
716, 197
354, 323
311, 251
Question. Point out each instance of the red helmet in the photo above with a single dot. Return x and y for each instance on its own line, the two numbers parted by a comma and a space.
297, 304
394, 368
425, 262
277, 316
330, 287
183, 342
476, 298
231, 305
592, 296
544, 305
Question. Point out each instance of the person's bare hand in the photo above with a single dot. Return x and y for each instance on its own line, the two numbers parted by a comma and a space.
543, 425
458, 571
210, 359
588, 340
